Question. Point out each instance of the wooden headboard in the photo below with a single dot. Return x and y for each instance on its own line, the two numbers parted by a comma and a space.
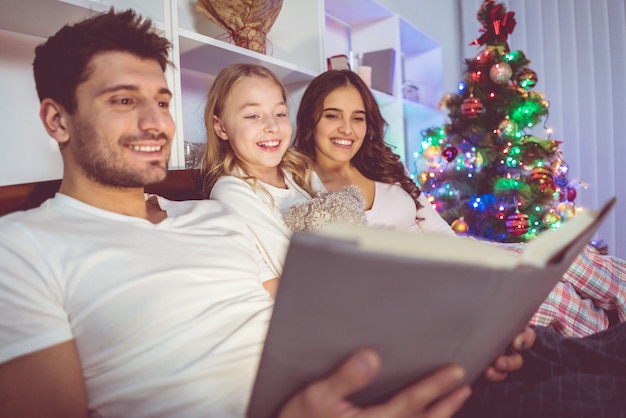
179, 185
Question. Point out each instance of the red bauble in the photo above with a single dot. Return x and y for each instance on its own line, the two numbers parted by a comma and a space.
571, 194
449, 153
539, 173
517, 224
472, 107
543, 177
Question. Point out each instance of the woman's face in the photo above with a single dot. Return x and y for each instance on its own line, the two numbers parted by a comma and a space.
341, 130
256, 122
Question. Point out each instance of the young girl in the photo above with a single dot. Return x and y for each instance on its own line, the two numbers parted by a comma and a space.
339, 125
249, 163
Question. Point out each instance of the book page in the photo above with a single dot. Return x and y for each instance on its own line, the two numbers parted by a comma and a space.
550, 243
448, 248
537, 252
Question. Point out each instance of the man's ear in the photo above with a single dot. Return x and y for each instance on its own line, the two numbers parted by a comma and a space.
218, 128
54, 118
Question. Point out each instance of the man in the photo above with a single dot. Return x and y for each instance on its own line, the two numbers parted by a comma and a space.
117, 305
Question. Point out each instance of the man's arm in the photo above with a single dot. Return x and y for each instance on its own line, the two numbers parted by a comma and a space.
46, 383
327, 397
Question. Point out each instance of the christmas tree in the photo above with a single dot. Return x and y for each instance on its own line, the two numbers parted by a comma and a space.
483, 171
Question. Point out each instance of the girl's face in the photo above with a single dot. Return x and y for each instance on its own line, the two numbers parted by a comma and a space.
341, 130
256, 122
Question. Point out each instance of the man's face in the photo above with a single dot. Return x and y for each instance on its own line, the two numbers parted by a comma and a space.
121, 133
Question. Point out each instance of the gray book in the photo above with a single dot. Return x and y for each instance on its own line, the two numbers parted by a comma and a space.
422, 301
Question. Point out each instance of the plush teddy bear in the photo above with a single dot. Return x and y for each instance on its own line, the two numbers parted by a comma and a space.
344, 205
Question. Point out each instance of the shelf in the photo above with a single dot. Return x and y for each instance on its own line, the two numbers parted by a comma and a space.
23, 19
413, 41
304, 34
355, 13
419, 110
145, 8
293, 42
208, 55
354, 28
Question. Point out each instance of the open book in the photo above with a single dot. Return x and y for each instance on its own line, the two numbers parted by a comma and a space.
422, 301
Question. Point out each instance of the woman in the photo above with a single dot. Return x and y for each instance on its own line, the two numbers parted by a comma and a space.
340, 127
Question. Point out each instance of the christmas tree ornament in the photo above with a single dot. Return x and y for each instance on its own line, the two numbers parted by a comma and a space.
472, 107
517, 224
570, 194
470, 157
432, 156
552, 219
566, 210
423, 177
449, 154
460, 226
507, 127
542, 176
500, 73
526, 79
497, 25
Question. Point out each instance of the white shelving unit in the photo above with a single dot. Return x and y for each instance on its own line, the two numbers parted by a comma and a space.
366, 26
294, 53
302, 37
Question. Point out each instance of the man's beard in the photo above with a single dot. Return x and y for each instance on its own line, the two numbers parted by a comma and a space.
102, 161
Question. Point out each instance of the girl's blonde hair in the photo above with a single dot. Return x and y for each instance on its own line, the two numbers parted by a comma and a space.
219, 158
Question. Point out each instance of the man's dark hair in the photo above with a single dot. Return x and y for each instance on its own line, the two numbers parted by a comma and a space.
61, 63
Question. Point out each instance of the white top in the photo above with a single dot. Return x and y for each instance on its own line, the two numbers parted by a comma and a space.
169, 319
393, 207
263, 208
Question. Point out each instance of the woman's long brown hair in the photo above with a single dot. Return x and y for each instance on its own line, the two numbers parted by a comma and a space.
375, 160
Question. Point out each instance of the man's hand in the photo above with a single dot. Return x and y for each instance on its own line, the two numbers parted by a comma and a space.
505, 364
326, 398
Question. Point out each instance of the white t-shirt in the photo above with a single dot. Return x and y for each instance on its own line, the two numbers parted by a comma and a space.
263, 208
169, 319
